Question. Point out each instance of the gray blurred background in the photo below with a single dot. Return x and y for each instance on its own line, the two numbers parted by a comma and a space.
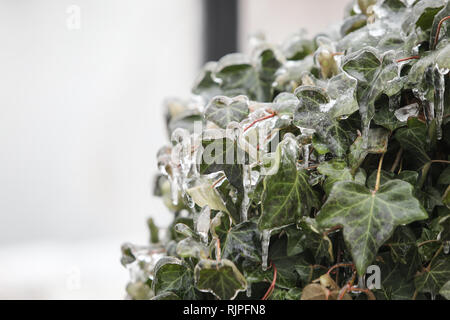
81, 89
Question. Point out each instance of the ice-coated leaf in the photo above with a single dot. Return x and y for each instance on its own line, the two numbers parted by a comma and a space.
221, 278
205, 195
166, 296
431, 280
362, 65
223, 155
190, 247
369, 217
222, 110
287, 194
243, 244
172, 275
311, 113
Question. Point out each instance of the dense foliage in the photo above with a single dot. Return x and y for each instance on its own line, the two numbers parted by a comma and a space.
339, 169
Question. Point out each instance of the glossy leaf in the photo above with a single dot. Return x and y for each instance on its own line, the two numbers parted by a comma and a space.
369, 218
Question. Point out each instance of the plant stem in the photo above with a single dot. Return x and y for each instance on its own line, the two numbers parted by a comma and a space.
271, 115
436, 38
377, 183
440, 161
425, 242
218, 181
340, 265
272, 285
408, 58
397, 160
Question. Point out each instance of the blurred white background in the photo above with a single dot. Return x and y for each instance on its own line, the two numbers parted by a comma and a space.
81, 121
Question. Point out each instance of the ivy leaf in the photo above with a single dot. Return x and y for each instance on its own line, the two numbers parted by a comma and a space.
222, 110
396, 281
413, 139
287, 194
445, 290
243, 244
221, 278
337, 170
223, 154
368, 217
166, 296
173, 275
205, 195
365, 66
311, 113
306, 237
431, 280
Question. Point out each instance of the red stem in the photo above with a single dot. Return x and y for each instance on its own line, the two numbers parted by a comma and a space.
409, 58
436, 38
272, 285
341, 265
273, 114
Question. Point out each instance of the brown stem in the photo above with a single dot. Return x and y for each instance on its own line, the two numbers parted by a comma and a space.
425, 242
397, 160
408, 58
272, 285
377, 183
218, 181
340, 265
440, 161
436, 38
271, 115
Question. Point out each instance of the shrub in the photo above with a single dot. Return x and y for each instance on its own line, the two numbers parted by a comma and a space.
334, 179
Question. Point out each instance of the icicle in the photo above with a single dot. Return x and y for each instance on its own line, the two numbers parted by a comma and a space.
249, 290
306, 156
203, 223
439, 90
404, 113
265, 248
446, 247
247, 181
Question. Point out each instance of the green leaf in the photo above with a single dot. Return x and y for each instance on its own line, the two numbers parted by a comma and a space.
287, 194
312, 114
363, 65
166, 296
222, 110
243, 244
368, 217
432, 280
396, 279
223, 154
337, 170
221, 278
445, 290
171, 275
413, 139
306, 237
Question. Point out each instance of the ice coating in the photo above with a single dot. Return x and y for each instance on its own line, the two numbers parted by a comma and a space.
265, 242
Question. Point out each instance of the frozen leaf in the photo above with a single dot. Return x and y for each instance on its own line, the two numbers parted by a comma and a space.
221, 278
287, 195
222, 110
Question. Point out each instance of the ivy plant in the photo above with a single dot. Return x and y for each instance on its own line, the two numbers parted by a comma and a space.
313, 169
